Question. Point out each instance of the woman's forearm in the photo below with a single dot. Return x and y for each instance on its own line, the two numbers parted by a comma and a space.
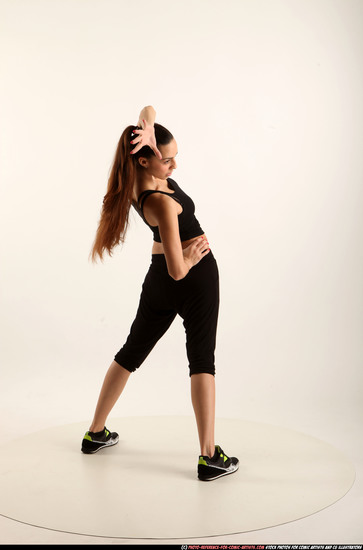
148, 113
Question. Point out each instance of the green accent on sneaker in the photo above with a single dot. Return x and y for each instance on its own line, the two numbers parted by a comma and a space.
221, 454
87, 436
107, 432
202, 461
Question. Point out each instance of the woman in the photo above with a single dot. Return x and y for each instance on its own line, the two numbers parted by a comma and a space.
182, 279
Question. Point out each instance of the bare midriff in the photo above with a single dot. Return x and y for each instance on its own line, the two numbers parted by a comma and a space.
158, 248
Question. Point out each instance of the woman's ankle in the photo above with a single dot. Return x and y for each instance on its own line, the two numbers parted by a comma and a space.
209, 451
95, 428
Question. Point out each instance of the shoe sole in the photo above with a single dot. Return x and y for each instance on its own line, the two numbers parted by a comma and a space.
93, 451
212, 478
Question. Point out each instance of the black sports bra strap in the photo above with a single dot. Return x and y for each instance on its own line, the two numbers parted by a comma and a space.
150, 191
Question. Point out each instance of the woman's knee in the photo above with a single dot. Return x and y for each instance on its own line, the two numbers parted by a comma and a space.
198, 368
124, 363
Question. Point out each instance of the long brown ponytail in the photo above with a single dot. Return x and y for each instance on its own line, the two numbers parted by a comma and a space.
114, 219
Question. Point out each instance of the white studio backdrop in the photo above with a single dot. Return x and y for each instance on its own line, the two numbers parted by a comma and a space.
264, 99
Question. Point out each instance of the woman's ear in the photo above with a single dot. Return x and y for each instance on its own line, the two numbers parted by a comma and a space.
142, 162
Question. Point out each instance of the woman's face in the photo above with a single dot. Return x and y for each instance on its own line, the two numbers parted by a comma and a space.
162, 168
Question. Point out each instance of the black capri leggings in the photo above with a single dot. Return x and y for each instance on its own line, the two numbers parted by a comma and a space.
195, 298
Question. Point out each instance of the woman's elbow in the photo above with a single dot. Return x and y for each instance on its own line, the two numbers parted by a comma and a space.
179, 274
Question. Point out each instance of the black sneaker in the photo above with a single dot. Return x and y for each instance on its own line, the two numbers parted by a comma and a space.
217, 466
93, 442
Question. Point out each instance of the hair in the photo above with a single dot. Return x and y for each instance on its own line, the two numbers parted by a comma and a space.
114, 218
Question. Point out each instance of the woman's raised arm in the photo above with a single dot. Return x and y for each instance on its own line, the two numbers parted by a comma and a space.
146, 136
148, 114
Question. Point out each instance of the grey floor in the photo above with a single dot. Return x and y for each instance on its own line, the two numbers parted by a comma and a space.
339, 523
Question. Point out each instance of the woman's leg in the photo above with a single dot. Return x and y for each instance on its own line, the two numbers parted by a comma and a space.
113, 385
203, 400
197, 300
153, 318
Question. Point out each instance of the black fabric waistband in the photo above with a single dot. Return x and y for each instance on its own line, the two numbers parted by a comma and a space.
159, 259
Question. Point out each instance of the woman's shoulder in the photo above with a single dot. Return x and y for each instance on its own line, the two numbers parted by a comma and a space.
162, 186
157, 199
159, 206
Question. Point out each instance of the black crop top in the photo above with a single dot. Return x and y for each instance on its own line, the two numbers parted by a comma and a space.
189, 226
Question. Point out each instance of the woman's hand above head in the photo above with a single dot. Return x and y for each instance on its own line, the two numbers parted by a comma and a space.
145, 136
196, 251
